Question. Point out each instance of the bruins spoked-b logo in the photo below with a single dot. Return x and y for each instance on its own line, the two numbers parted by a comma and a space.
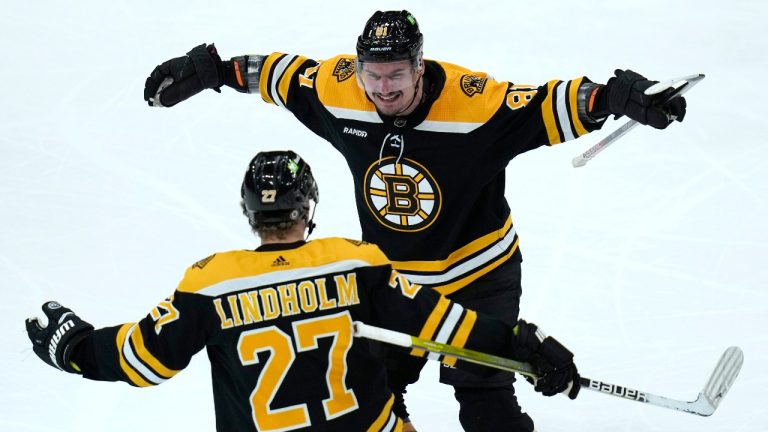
472, 84
402, 194
344, 69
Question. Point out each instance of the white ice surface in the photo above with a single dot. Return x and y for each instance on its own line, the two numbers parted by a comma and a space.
647, 263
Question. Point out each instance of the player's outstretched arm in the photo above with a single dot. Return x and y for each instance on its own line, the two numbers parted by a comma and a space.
180, 78
625, 94
55, 342
553, 361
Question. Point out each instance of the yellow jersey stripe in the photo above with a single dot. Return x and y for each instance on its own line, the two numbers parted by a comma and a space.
398, 425
230, 271
461, 283
462, 334
135, 378
285, 80
229, 283
458, 255
428, 331
381, 420
548, 114
574, 100
148, 358
269, 64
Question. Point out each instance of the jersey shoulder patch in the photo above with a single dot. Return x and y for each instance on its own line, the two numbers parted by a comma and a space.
336, 85
348, 249
214, 269
203, 262
468, 97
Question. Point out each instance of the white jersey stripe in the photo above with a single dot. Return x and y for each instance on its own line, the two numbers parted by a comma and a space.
390, 426
468, 266
563, 116
448, 127
352, 114
447, 328
277, 74
267, 279
134, 362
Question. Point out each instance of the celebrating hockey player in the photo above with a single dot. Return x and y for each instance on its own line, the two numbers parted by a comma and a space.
427, 143
277, 323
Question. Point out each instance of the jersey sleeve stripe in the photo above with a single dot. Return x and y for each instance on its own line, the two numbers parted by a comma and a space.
573, 104
133, 377
548, 114
284, 83
384, 416
277, 74
430, 326
145, 356
448, 327
462, 334
563, 115
129, 353
266, 76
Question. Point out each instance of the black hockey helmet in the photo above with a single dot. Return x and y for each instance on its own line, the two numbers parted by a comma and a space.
277, 189
390, 36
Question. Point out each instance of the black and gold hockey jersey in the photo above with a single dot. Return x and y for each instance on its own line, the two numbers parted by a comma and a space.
429, 186
277, 326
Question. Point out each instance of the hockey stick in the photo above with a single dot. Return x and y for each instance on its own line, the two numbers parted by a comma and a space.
678, 86
709, 398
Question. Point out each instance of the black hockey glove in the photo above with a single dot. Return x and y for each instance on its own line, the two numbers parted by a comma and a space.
625, 95
180, 78
54, 343
554, 362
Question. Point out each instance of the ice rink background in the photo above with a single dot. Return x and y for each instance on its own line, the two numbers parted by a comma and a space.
647, 263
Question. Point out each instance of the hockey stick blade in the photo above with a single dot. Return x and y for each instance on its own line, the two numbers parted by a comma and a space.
674, 88
720, 382
706, 403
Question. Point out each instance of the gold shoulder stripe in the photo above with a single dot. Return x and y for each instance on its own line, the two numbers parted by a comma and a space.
467, 97
344, 93
132, 375
349, 249
428, 331
148, 358
462, 334
236, 270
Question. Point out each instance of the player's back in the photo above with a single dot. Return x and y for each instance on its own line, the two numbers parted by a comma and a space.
280, 342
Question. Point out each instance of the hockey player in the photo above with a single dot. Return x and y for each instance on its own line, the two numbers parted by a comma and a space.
277, 323
427, 143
